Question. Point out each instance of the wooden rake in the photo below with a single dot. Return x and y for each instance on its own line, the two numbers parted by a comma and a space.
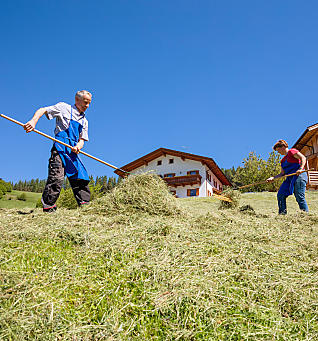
225, 198
64, 144
221, 197
265, 182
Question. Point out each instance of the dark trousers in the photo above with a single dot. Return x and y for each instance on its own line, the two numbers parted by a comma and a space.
55, 180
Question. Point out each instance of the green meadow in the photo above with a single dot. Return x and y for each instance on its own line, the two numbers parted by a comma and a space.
192, 272
10, 200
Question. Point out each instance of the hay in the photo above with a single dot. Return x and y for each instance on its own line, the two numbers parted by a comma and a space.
247, 208
235, 197
138, 193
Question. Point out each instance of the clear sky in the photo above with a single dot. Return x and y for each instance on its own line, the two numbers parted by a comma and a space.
215, 78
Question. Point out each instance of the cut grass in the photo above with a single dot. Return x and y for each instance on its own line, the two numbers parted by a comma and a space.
10, 200
142, 193
202, 274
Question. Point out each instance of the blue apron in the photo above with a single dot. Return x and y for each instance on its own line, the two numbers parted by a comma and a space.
74, 167
287, 187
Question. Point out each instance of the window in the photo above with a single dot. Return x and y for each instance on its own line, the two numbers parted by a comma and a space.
208, 176
170, 160
159, 163
169, 175
209, 194
173, 193
192, 172
193, 192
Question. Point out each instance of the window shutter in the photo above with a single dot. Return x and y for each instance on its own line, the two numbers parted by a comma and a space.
197, 191
188, 192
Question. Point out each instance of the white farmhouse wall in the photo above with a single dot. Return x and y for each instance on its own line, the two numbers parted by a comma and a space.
180, 168
181, 192
209, 187
210, 184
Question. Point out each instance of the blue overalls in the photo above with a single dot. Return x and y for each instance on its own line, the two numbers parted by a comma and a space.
293, 184
73, 165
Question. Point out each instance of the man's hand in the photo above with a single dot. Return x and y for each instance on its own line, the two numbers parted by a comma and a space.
29, 126
271, 179
75, 149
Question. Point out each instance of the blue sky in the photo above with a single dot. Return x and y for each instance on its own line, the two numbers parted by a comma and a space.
215, 78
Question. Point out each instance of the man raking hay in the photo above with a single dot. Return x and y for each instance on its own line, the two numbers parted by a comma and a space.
72, 129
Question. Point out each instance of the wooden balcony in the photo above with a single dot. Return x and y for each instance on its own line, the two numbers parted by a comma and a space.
217, 191
185, 180
312, 180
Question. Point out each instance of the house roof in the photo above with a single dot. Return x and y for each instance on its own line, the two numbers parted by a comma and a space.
144, 160
306, 136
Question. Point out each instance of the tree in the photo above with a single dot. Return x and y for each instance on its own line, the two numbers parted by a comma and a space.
256, 169
229, 173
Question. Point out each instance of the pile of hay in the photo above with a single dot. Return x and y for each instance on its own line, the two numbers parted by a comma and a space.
138, 193
235, 197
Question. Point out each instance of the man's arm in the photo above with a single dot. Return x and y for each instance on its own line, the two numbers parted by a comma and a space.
29, 126
80, 144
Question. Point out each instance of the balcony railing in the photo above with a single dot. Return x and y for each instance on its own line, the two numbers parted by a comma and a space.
312, 179
184, 180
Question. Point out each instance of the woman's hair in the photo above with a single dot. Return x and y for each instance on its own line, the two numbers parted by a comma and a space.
280, 143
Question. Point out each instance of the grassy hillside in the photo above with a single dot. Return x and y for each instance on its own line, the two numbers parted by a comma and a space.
198, 274
10, 200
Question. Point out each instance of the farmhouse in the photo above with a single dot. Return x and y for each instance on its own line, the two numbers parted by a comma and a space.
307, 144
186, 174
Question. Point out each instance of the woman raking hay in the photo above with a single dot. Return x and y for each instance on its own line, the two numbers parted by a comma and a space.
292, 162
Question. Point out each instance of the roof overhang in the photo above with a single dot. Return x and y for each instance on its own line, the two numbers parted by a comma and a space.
144, 160
305, 137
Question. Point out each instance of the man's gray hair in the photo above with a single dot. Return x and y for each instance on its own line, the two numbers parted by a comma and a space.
81, 93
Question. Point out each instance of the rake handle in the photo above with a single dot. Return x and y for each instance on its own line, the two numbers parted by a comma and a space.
60, 142
284, 176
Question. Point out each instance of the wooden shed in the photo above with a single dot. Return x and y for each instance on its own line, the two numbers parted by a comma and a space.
307, 144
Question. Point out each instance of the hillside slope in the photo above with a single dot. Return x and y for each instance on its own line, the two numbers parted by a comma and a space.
10, 200
199, 274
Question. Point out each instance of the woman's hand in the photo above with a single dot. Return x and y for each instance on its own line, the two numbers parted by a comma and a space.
300, 170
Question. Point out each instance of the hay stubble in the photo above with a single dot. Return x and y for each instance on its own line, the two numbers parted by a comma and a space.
201, 273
